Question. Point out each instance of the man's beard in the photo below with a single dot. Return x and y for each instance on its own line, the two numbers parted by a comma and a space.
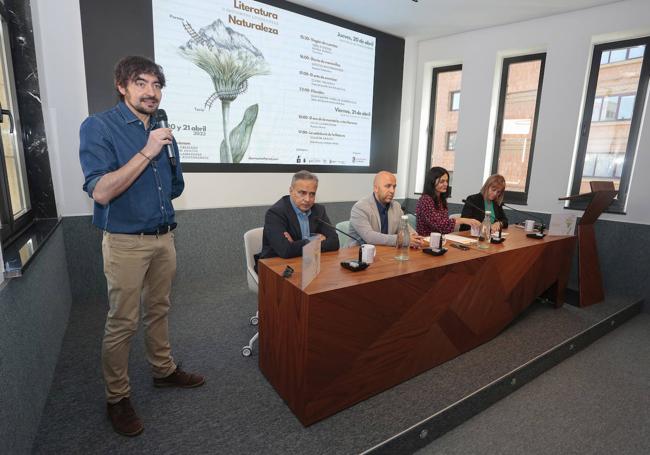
145, 110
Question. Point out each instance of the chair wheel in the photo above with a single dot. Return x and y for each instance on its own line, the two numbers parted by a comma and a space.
254, 320
246, 351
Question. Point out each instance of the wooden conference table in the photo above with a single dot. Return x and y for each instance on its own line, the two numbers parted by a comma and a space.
348, 336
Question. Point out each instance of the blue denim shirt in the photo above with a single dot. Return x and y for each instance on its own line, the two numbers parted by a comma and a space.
107, 142
303, 219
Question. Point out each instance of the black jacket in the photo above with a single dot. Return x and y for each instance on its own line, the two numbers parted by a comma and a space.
473, 212
281, 218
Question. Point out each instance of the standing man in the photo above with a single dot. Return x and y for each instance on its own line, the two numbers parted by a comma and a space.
375, 218
130, 177
290, 222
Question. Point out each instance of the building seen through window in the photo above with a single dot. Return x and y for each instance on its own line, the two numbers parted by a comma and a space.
444, 115
451, 140
521, 83
614, 98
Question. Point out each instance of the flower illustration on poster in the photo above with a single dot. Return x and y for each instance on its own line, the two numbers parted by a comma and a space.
230, 60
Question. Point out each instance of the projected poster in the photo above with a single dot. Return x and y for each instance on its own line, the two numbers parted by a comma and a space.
251, 83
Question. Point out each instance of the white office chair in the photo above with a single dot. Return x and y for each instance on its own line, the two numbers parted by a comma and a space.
344, 240
252, 246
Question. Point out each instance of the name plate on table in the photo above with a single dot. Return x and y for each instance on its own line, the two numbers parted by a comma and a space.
310, 260
562, 224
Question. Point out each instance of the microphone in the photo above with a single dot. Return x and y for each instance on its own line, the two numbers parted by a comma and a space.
465, 201
161, 118
439, 251
535, 235
492, 240
348, 264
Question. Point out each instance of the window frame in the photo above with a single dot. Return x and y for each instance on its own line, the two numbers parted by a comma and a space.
432, 112
515, 197
11, 227
618, 205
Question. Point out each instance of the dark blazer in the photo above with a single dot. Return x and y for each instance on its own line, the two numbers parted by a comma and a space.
473, 212
282, 218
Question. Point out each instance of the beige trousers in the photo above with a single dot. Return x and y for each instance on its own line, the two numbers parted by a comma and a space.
139, 269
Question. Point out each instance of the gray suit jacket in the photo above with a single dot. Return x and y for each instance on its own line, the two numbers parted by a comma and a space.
366, 224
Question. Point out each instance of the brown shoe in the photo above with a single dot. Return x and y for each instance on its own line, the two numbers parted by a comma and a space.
123, 418
180, 378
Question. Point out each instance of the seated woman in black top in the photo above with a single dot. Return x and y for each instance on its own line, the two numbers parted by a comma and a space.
490, 199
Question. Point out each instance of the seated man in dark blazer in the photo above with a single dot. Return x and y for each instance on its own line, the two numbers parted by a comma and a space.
290, 222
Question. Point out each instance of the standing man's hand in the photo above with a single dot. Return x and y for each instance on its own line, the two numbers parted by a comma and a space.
158, 138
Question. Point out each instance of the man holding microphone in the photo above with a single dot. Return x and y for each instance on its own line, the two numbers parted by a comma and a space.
132, 182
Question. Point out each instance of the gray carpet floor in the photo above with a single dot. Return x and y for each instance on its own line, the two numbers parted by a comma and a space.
596, 402
237, 411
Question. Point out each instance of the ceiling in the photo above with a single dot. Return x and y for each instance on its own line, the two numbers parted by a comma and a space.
435, 18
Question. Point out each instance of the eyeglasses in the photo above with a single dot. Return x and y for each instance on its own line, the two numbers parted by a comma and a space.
287, 272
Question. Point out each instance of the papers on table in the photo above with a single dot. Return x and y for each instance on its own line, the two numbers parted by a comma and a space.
461, 239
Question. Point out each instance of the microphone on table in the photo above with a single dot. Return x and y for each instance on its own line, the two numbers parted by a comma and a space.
532, 235
435, 251
161, 119
355, 266
500, 238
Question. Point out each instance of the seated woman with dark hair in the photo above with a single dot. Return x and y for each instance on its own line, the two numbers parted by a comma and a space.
489, 199
431, 210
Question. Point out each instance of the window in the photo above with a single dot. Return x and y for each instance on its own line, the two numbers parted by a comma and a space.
636, 52
621, 54
443, 117
14, 195
611, 117
625, 107
603, 165
616, 107
521, 87
617, 55
454, 101
451, 140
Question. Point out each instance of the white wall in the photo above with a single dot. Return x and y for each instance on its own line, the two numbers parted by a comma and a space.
568, 40
57, 30
59, 55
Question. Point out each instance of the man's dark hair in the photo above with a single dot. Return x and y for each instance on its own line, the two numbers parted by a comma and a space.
129, 68
433, 175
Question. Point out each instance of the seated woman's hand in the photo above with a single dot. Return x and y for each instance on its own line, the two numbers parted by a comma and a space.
417, 241
470, 221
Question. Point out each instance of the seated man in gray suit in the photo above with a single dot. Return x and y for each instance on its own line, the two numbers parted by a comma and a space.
375, 218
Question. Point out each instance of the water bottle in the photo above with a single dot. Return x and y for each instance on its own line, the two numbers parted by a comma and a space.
485, 231
403, 239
